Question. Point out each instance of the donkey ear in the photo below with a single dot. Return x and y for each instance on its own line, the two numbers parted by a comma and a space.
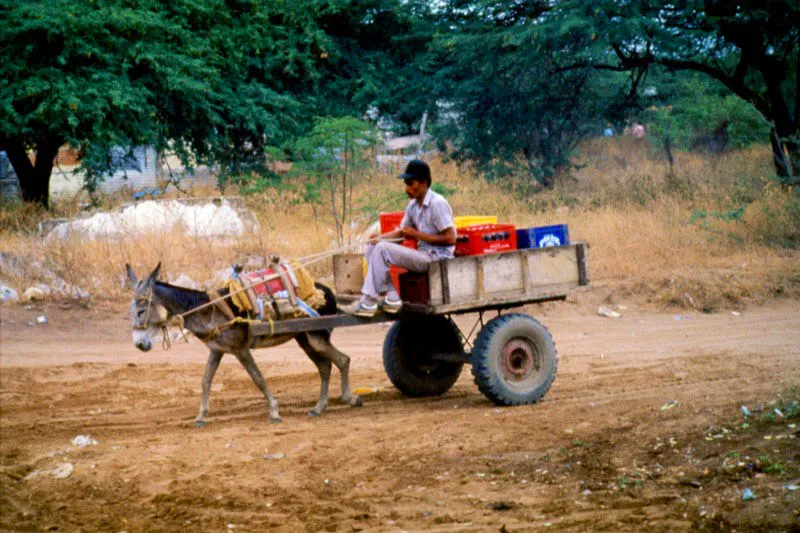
154, 274
131, 275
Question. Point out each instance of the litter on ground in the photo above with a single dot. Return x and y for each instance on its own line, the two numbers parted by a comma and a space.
607, 312
81, 441
669, 405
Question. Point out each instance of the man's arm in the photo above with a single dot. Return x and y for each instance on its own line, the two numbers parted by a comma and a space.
396, 234
446, 237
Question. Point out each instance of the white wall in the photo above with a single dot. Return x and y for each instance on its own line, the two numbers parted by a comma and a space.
67, 180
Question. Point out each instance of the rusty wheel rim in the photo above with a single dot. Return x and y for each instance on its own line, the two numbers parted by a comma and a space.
518, 361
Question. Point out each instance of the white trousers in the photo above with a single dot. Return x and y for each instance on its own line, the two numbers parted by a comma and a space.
381, 256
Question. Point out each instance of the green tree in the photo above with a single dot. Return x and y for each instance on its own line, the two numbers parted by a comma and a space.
213, 80
750, 46
334, 159
689, 111
512, 108
376, 59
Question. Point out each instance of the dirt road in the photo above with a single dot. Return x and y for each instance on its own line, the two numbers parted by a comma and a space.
604, 450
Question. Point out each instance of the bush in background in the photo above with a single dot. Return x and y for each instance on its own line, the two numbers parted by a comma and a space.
713, 232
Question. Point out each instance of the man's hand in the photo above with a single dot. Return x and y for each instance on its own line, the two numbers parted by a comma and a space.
375, 238
445, 238
410, 233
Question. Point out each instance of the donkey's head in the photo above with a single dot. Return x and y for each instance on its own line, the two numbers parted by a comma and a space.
147, 314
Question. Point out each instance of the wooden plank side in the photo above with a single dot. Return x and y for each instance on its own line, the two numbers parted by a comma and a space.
470, 279
583, 263
348, 273
480, 273
502, 273
553, 266
529, 275
462, 275
526, 274
435, 283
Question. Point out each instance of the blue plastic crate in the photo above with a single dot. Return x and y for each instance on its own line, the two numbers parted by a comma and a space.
542, 237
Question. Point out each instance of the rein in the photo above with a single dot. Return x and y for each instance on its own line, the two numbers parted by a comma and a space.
301, 263
166, 341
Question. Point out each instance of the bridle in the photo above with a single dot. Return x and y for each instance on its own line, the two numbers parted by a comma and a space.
178, 320
164, 325
146, 322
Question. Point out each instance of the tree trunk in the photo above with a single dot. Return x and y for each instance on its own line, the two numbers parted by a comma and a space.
785, 154
792, 147
668, 151
34, 178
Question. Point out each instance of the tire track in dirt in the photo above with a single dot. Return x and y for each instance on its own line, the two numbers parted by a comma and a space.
455, 462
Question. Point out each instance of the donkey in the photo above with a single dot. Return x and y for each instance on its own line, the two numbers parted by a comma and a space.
154, 304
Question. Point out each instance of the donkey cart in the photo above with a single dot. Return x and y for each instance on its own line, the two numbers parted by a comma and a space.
513, 356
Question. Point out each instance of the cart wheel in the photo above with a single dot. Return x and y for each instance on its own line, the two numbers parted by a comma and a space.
514, 360
408, 352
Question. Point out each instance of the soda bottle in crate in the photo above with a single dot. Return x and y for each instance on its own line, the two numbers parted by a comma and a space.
486, 239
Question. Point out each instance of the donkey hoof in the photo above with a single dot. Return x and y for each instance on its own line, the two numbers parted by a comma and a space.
199, 423
314, 413
275, 420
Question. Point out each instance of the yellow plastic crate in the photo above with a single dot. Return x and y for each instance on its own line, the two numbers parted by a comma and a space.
472, 220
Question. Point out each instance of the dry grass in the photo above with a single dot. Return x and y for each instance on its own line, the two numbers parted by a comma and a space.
711, 233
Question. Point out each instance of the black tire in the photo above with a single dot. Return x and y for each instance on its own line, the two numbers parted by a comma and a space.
514, 360
408, 351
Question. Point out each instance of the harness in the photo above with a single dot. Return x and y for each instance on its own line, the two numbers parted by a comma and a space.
166, 341
291, 276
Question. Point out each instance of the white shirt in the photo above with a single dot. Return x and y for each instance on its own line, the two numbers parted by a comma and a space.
432, 217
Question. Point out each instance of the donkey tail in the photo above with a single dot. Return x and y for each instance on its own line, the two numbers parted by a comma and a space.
329, 308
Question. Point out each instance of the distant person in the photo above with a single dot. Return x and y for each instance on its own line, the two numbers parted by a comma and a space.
9, 183
638, 131
6, 169
429, 220
715, 142
608, 132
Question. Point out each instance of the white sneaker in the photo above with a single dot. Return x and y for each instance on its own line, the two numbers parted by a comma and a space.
360, 309
392, 305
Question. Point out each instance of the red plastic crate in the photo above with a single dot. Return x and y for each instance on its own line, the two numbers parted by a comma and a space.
395, 272
486, 239
390, 221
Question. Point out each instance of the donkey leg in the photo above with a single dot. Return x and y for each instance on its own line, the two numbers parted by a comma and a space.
321, 342
324, 367
245, 357
214, 357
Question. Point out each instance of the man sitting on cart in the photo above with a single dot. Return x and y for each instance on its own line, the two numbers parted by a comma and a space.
429, 220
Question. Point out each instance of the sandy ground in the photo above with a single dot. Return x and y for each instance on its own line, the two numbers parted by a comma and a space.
604, 450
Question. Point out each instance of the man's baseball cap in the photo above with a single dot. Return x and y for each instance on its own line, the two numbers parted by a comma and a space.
418, 170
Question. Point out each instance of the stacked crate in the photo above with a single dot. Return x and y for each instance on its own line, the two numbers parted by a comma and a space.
479, 235
486, 239
543, 236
